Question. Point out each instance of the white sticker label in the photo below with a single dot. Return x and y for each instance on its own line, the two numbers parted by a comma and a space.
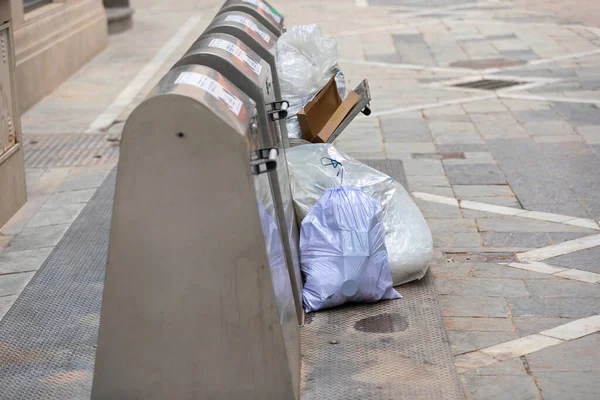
212, 87
265, 8
245, 21
236, 51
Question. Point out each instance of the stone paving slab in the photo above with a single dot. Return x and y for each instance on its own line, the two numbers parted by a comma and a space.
570, 307
581, 385
531, 325
500, 387
587, 260
578, 355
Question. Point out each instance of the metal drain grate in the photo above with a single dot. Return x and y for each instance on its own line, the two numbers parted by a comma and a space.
488, 84
43, 151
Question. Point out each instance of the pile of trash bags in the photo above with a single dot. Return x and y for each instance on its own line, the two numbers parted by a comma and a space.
361, 234
318, 169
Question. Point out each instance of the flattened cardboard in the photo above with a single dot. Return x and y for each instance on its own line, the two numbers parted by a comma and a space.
336, 118
317, 112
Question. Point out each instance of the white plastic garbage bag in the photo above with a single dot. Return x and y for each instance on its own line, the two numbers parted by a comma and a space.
342, 251
315, 168
306, 60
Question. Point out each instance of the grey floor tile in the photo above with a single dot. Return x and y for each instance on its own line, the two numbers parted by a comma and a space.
474, 174
55, 215
587, 260
452, 225
386, 58
450, 270
478, 324
578, 114
517, 224
460, 148
593, 206
434, 210
509, 367
500, 387
478, 214
463, 191
515, 239
556, 87
579, 385
538, 184
6, 303
559, 237
562, 288
577, 355
492, 270
526, 54
415, 182
502, 36
409, 38
12, 284
573, 207
579, 164
532, 325
5, 241
74, 197
473, 306
33, 238
512, 202
463, 342
457, 239
25, 260
482, 287
404, 130
437, 190
570, 307
423, 167
83, 180
536, 116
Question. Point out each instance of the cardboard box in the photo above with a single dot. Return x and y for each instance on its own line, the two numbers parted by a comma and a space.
316, 113
321, 116
336, 118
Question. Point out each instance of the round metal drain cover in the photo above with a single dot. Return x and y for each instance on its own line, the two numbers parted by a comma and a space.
382, 323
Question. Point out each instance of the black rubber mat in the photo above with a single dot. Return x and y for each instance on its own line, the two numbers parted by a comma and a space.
48, 337
391, 350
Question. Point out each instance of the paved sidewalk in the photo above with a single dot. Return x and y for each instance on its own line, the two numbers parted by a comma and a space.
506, 178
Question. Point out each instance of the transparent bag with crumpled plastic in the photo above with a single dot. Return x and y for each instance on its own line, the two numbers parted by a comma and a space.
315, 168
306, 60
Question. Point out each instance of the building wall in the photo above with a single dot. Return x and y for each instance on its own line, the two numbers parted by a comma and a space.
52, 42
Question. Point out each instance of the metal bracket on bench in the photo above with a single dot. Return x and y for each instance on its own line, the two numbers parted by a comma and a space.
277, 110
362, 106
264, 161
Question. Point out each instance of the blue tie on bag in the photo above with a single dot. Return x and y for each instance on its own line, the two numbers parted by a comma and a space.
343, 253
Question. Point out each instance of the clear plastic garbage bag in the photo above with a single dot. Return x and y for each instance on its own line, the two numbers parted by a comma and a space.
306, 60
342, 251
315, 168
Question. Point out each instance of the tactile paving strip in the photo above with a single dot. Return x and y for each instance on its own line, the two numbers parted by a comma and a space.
397, 349
48, 337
